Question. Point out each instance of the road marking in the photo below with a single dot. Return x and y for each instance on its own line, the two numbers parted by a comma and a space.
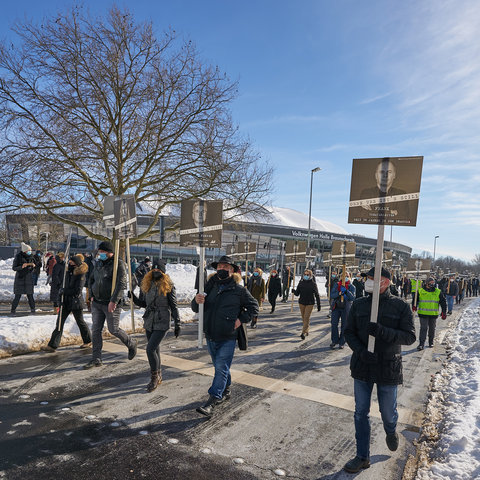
274, 385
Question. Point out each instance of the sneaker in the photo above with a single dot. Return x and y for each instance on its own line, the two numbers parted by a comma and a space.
302, 336
95, 362
132, 351
420, 347
356, 464
430, 345
392, 441
341, 347
86, 345
332, 345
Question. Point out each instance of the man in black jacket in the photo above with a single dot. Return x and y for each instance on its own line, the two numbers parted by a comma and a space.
383, 366
227, 305
105, 303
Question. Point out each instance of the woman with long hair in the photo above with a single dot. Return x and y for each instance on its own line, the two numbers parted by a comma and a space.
160, 303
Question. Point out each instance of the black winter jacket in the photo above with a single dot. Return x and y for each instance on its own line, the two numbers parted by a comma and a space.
225, 302
100, 281
57, 279
396, 318
74, 283
159, 309
274, 287
308, 292
23, 283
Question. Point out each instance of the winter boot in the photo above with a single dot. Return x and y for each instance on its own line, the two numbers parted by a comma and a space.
155, 381
207, 408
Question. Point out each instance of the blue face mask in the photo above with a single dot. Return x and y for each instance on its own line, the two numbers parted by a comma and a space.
29, 252
102, 256
306, 277
255, 274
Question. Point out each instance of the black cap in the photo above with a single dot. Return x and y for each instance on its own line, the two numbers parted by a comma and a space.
106, 247
159, 265
225, 259
77, 259
385, 273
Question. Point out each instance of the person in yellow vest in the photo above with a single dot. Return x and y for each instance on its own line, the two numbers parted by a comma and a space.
429, 299
414, 284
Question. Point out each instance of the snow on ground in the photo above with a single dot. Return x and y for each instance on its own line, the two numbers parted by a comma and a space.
22, 334
456, 454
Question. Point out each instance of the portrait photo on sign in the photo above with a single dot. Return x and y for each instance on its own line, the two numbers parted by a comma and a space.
201, 223
385, 191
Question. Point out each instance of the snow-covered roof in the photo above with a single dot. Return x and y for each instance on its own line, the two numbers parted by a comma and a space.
279, 216
287, 217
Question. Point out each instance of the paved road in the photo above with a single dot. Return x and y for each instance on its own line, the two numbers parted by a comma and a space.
291, 409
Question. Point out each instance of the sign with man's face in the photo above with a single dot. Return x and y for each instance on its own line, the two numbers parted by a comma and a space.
385, 191
201, 223
125, 217
343, 252
296, 251
419, 265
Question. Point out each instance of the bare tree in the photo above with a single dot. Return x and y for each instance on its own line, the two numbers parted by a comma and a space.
94, 107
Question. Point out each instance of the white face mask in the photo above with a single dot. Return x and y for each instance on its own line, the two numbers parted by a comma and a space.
369, 285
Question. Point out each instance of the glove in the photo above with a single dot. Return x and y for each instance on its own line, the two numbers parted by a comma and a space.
177, 331
319, 308
414, 308
129, 294
368, 357
375, 329
60, 291
444, 315
343, 289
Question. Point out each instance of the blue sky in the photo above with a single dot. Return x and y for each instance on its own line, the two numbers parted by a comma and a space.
323, 82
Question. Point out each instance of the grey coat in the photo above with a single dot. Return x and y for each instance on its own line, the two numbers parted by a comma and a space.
23, 283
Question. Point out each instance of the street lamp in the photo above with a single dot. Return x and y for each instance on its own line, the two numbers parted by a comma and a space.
317, 169
434, 248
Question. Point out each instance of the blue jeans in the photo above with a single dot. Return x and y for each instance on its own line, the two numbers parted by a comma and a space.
339, 315
450, 299
387, 401
222, 356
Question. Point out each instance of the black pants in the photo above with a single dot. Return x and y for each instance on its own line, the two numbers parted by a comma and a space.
56, 337
16, 301
273, 301
154, 338
285, 292
427, 322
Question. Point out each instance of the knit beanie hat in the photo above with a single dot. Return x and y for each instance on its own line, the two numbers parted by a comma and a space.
78, 259
25, 247
106, 247
159, 265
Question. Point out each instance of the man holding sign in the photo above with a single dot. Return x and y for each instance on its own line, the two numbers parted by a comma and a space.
383, 366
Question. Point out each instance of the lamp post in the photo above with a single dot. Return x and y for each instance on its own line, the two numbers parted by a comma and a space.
317, 169
434, 249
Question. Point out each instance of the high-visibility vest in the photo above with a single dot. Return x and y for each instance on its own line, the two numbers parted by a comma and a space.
414, 284
428, 302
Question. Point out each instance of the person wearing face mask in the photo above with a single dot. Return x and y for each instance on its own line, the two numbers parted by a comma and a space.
105, 303
57, 279
143, 268
71, 299
274, 289
342, 295
428, 301
23, 266
37, 260
307, 293
359, 285
256, 286
383, 366
160, 303
227, 305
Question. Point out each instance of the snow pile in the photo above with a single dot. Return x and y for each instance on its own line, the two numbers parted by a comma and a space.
457, 454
